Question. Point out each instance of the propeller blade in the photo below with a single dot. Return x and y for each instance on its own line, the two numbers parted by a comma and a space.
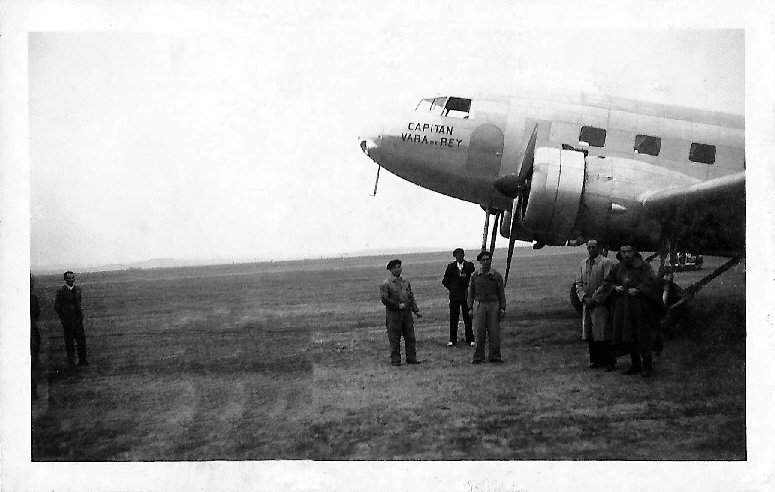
526, 168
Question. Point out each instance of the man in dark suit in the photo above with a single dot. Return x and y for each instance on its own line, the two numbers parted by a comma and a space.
456, 279
67, 305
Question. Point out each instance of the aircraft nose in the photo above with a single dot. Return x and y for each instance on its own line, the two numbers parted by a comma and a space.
370, 139
368, 146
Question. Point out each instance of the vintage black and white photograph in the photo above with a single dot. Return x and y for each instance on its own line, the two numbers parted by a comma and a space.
475, 246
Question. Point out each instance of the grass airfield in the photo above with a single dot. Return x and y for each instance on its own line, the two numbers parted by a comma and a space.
289, 360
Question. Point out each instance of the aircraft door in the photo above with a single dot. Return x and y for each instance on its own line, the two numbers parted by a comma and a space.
485, 151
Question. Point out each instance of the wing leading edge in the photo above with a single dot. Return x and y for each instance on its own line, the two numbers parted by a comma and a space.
723, 188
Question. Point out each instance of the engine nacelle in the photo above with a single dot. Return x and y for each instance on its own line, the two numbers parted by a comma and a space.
555, 194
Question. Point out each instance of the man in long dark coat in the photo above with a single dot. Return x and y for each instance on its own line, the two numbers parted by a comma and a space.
634, 294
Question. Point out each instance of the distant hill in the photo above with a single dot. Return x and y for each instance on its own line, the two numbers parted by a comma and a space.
523, 249
146, 264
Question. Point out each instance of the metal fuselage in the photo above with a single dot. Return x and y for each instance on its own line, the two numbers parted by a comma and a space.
625, 150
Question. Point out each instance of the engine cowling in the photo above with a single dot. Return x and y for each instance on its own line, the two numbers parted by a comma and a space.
555, 194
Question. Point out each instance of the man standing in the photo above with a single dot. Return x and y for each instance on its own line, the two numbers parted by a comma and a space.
594, 322
636, 300
67, 305
487, 304
34, 337
396, 294
456, 279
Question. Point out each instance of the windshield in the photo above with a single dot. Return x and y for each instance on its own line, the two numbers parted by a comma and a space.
454, 107
433, 105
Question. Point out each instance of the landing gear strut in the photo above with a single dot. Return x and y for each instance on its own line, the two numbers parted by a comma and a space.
498, 218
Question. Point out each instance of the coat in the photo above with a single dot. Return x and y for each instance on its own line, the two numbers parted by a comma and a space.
635, 320
456, 281
67, 303
594, 324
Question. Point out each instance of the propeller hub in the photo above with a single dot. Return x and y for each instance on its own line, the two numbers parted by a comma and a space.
510, 185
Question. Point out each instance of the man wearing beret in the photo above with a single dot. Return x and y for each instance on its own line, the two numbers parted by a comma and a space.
487, 304
396, 294
456, 279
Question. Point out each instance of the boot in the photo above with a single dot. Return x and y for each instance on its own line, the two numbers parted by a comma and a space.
635, 367
592, 355
648, 367
610, 358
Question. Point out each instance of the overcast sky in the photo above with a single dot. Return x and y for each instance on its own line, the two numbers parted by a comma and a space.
243, 143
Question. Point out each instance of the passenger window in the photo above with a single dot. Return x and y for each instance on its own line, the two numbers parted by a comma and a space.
457, 107
646, 144
594, 137
702, 153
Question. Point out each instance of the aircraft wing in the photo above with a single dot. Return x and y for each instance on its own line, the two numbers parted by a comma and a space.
706, 217
725, 188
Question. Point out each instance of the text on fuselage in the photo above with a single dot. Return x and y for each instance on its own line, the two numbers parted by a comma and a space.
422, 139
424, 127
437, 129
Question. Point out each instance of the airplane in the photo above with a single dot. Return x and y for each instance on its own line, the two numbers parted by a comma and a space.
559, 168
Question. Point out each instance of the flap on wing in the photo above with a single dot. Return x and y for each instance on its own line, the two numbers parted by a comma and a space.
725, 187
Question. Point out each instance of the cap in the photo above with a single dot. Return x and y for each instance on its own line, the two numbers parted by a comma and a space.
482, 255
591, 243
393, 263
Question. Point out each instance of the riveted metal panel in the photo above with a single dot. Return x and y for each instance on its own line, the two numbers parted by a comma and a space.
595, 117
621, 120
564, 132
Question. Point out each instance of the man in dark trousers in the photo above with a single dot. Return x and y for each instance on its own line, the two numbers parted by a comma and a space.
34, 337
635, 296
67, 305
487, 303
594, 318
397, 296
456, 279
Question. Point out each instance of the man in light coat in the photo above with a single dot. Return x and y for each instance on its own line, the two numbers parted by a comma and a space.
595, 327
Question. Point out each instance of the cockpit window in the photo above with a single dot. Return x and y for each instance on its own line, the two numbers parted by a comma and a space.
457, 107
433, 105
454, 107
